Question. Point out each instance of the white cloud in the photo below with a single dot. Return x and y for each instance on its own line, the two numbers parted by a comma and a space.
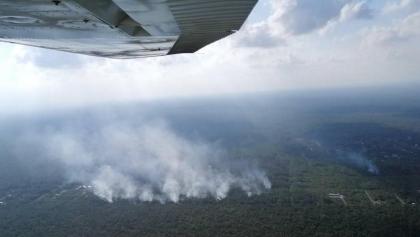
55, 59
260, 35
304, 16
297, 17
282, 51
401, 31
355, 10
401, 5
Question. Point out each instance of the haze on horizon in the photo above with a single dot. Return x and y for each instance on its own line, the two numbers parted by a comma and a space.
285, 45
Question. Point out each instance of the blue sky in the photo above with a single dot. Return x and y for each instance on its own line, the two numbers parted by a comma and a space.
285, 45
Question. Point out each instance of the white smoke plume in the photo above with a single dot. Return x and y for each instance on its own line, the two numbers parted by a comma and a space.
148, 163
360, 161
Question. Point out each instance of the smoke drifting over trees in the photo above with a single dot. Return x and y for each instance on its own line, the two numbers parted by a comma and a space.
149, 162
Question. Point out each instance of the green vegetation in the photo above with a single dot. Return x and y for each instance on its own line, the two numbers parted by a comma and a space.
297, 205
317, 189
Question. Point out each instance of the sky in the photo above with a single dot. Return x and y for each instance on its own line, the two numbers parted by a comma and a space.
285, 45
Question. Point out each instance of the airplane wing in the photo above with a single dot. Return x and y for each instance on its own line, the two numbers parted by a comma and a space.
121, 28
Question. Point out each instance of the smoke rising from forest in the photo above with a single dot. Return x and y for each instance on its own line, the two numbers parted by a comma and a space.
147, 163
